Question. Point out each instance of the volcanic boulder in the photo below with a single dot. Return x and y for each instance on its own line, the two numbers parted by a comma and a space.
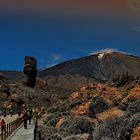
4, 87
30, 70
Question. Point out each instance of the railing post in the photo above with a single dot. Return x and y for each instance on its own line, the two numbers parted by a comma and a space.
11, 129
4, 129
7, 128
14, 125
35, 130
1, 133
39, 135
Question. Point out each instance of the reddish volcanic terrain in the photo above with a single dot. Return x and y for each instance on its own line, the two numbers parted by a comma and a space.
92, 98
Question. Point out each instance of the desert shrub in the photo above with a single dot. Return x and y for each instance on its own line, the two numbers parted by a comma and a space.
50, 130
46, 132
73, 138
108, 130
116, 101
68, 105
125, 94
76, 126
79, 137
128, 126
92, 91
97, 106
130, 87
51, 110
52, 118
64, 106
75, 103
123, 79
53, 122
122, 106
133, 107
54, 137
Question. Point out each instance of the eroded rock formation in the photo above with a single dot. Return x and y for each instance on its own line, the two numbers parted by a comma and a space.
30, 70
4, 87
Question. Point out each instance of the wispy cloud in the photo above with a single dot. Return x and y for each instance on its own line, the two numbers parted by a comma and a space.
51, 65
56, 57
47, 61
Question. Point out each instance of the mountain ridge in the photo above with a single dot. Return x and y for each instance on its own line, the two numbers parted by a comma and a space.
93, 68
73, 74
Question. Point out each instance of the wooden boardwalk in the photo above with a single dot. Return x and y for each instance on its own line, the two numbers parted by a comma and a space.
24, 134
11, 124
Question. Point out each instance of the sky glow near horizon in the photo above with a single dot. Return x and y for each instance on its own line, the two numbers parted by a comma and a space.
55, 32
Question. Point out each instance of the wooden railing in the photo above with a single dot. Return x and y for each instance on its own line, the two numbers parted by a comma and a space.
10, 128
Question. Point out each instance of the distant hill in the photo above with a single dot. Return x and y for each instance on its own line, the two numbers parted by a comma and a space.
74, 74
14, 76
100, 67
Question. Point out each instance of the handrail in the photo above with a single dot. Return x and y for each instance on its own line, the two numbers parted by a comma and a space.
10, 128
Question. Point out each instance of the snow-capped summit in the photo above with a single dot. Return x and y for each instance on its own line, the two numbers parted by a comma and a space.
102, 53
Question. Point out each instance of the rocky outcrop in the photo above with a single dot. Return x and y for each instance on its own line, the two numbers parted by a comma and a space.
95, 110
4, 87
30, 70
70, 76
8, 99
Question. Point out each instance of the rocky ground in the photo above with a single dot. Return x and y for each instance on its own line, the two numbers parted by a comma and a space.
108, 111
18, 95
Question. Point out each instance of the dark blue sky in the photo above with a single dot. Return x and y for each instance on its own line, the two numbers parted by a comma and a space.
53, 40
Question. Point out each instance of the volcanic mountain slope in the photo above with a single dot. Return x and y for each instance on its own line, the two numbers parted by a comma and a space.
100, 67
14, 76
72, 75
96, 112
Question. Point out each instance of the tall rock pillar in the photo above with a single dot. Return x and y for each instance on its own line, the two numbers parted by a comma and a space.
30, 69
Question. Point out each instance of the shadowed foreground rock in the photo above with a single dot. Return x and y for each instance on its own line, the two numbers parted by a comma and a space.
30, 70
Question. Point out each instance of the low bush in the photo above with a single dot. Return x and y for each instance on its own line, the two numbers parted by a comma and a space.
51, 110
52, 118
128, 126
53, 122
97, 106
75, 103
76, 126
116, 101
65, 106
46, 132
122, 106
108, 130
54, 137
133, 107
